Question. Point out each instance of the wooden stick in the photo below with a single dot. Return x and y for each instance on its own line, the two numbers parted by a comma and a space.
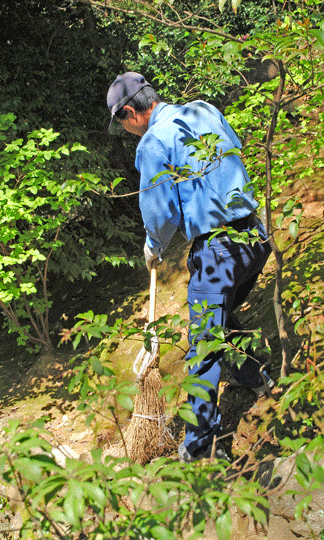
153, 290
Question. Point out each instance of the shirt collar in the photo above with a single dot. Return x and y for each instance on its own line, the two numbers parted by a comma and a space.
157, 112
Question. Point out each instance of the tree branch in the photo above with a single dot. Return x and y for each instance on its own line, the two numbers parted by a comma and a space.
277, 297
159, 18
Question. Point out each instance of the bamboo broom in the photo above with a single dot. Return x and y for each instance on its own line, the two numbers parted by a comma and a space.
147, 436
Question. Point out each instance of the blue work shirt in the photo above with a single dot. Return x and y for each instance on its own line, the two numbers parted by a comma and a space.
196, 205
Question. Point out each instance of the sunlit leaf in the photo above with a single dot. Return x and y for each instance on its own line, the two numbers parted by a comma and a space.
221, 4
125, 401
223, 526
188, 416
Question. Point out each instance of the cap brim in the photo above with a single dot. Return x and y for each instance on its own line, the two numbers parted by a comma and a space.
115, 126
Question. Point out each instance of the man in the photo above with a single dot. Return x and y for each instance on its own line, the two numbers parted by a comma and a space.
222, 272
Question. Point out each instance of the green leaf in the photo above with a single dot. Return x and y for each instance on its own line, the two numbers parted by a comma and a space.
176, 337
125, 401
129, 389
235, 5
3, 461
136, 493
293, 444
303, 464
40, 422
57, 515
302, 505
116, 182
293, 228
259, 514
77, 340
95, 492
161, 533
221, 4
94, 331
176, 319
29, 469
74, 507
188, 416
197, 308
48, 489
196, 390
218, 332
299, 322
223, 526
319, 35
318, 474
160, 493
96, 454
96, 365
169, 392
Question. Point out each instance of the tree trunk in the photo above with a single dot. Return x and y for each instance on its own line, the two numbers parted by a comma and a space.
277, 298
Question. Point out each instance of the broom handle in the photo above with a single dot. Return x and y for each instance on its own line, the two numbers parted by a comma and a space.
153, 290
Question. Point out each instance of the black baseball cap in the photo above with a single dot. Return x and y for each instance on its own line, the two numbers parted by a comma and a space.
120, 92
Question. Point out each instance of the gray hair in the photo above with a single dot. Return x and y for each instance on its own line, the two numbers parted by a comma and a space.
141, 102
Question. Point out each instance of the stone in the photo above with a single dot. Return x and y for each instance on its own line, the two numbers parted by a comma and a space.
279, 529
62, 452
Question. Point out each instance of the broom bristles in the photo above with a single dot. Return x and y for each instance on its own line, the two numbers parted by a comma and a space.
147, 436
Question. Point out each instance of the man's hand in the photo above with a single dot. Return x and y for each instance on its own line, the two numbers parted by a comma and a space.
149, 257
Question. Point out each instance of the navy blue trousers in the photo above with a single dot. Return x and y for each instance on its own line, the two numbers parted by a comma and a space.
222, 273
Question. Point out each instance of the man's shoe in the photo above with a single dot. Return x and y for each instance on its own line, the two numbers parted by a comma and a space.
260, 391
185, 457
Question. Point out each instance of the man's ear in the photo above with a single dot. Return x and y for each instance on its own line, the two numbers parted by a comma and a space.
130, 110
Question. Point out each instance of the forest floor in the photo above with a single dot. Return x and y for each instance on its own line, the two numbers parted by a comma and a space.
36, 386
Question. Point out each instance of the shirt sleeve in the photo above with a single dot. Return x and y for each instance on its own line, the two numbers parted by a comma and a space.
159, 202
231, 133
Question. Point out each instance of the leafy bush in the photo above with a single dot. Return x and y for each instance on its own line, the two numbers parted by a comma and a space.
33, 208
45, 228
113, 498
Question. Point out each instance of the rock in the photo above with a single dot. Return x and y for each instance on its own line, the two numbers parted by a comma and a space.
278, 477
15, 524
62, 452
282, 521
279, 529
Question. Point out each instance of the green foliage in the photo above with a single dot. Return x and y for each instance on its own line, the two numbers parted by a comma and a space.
56, 76
243, 237
248, 18
235, 345
209, 148
302, 389
33, 209
205, 68
44, 229
199, 58
113, 498
309, 471
208, 153
98, 386
209, 62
